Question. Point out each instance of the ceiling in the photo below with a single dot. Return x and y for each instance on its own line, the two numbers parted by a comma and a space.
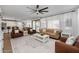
21, 11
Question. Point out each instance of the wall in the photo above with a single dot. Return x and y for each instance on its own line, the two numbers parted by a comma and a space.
70, 29
78, 22
58, 21
53, 22
43, 23
66, 22
75, 23
1, 36
19, 24
11, 23
61, 21
28, 23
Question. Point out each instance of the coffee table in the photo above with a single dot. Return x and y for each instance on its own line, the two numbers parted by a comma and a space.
43, 38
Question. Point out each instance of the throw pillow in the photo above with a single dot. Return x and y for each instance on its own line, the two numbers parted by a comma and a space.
55, 31
44, 30
71, 40
77, 42
16, 31
31, 30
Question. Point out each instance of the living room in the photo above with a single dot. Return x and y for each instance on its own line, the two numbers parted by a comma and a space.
39, 28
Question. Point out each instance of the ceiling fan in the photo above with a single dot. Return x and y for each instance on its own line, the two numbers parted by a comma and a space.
37, 10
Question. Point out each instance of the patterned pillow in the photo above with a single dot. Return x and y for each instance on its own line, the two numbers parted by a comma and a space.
71, 40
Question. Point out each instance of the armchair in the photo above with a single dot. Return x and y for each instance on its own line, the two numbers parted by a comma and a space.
16, 33
31, 31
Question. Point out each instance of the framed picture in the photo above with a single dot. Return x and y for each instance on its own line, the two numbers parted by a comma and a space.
69, 23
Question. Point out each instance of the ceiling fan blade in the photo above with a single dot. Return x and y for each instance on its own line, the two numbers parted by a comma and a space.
30, 11
43, 11
30, 8
43, 8
37, 6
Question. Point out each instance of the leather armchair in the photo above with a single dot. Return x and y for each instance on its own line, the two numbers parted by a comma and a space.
14, 34
31, 31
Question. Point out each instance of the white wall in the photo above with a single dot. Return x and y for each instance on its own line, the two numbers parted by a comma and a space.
28, 23
49, 22
43, 23
1, 36
73, 28
13, 24
78, 22
62, 20
53, 22
10, 23
20, 25
75, 23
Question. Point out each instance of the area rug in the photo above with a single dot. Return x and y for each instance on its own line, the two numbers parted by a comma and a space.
27, 44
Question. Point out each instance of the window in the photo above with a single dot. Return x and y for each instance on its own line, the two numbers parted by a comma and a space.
53, 24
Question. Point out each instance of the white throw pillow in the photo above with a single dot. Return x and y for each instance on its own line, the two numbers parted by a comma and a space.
71, 40
31, 30
16, 31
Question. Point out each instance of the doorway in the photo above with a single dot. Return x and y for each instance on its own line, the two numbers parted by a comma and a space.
36, 25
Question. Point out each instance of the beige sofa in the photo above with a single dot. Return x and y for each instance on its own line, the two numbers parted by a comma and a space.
53, 33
